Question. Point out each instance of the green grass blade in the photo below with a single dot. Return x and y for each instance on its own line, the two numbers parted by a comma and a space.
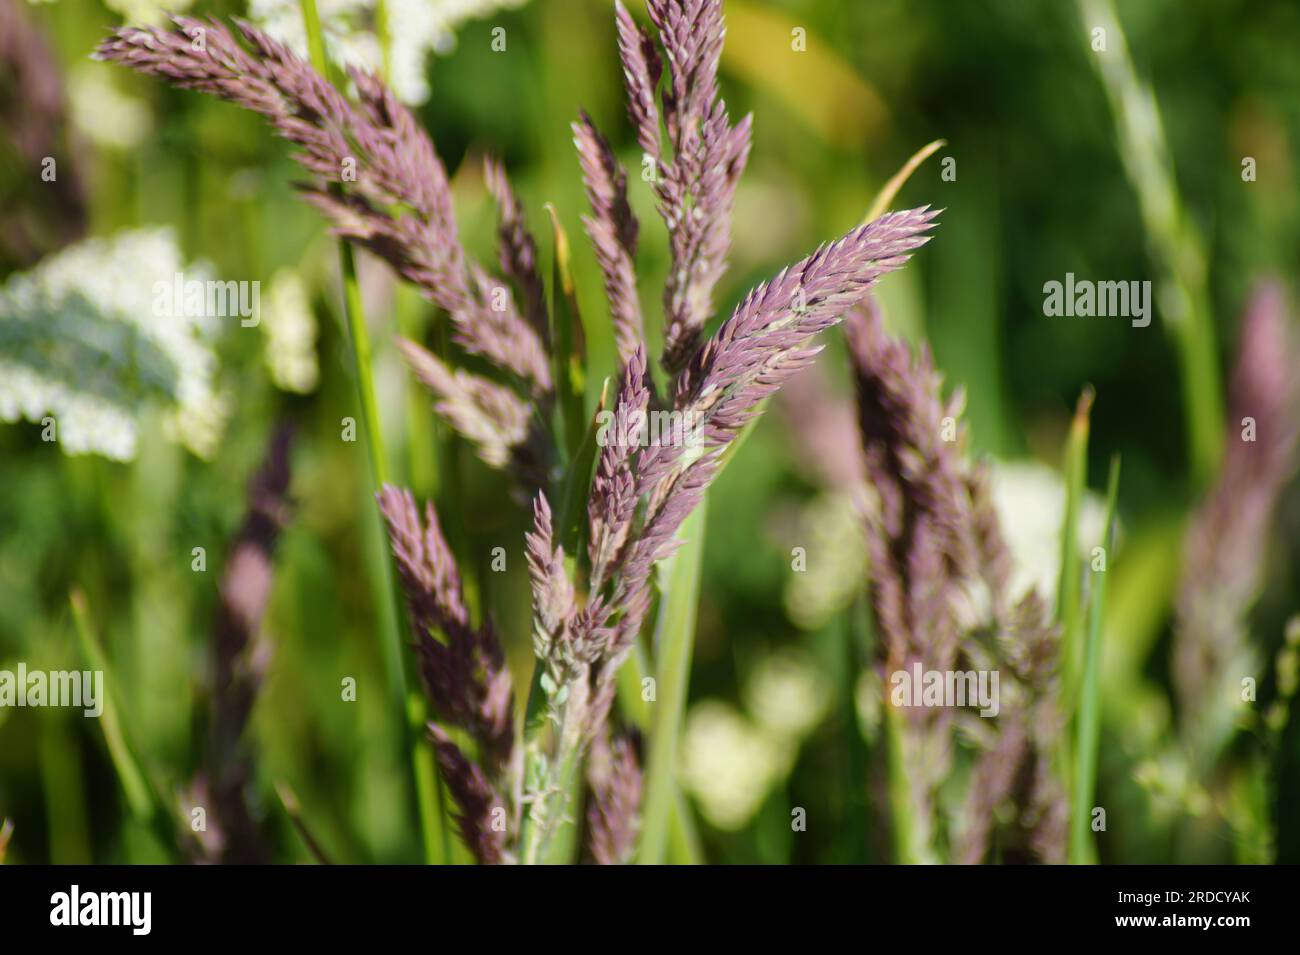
683, 839
142, 796
675, 643
289, 803
1069, 591
139, 796
905, 828
568, 338
573, 510
1088, 723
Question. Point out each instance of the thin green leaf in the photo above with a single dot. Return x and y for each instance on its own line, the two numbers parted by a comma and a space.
683, 840
1069, 591
1088, 725
573, 526
142, 796
1177, 250
289, 803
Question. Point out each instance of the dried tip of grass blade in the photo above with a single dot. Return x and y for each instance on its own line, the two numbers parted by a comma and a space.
896, 182
289, 802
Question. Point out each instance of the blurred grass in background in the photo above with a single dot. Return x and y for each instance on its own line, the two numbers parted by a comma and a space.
777, 721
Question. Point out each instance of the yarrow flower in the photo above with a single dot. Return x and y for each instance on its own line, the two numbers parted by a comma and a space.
82, 344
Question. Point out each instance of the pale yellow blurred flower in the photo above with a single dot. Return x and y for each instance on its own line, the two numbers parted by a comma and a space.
786, 694
729, 765
290, 329
102, 112
836, 561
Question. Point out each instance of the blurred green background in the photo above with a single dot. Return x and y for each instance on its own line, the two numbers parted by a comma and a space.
777, 719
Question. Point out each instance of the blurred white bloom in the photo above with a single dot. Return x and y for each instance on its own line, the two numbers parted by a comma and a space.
728, 765
786, 695
147, 12
80, 342
290, 328
835, 550
1030, 501
416, 28
103, 113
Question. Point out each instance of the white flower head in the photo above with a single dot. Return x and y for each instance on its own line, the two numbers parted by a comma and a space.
416, 28
82, 342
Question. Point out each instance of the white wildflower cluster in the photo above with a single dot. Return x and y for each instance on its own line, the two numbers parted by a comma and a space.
290, 329
81, 343
416, 28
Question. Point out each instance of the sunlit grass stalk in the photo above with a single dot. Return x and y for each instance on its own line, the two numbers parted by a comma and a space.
1175, 245
683, 840
665, 820
384, 33
548, 834
904, 829
408, 705
1088, 723
674, 644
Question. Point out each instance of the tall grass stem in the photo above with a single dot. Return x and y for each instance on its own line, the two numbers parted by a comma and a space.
1088, 725
408, 706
